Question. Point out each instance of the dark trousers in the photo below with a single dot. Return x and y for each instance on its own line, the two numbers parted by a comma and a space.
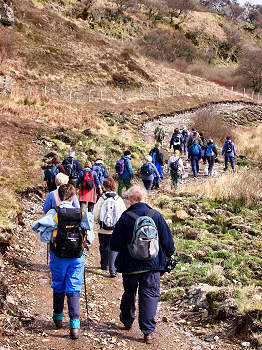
88, 205
232, 162
195, 165
211, 162
107, 256
148, 285
73, 300
148, 185
121, 184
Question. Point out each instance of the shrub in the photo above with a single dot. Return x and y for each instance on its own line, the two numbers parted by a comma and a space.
250, 69
211, 124
167, 46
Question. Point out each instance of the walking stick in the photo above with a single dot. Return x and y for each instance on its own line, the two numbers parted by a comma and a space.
47, 254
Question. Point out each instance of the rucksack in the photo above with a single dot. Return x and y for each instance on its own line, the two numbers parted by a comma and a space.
229, 147
145, 240
70, 237
109, 213
89, 181
176, 140
174, 166
147, 169
70, 167
51, 174
204, 141
120, 166
195, 149
209, 150
185, 134
98, 171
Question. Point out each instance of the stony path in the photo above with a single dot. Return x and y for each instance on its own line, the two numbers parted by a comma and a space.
33, 295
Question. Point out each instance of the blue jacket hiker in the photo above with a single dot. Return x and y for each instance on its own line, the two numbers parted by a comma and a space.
176, 140
210, 155
67, 259
72, 167
52, 199
148, 171
143, 275
229, 151
195, 154
157, 159
124, 171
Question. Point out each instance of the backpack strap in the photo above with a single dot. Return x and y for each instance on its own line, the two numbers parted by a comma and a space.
132, 215
56, 197
151, 213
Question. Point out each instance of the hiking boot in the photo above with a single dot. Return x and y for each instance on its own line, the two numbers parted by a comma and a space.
148, 339
58, 324
74, 333
113, 274
127, 326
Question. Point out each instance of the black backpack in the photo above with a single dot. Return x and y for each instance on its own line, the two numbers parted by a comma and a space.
174, 166
70, 167
69, 241
229, 147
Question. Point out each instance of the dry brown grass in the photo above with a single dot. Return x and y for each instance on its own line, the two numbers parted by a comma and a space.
241, 186
249, 142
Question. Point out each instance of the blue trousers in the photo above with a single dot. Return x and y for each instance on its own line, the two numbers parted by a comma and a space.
148, 286
232, 162
195, 165
107, 256
211, 162
148, 185
67, 279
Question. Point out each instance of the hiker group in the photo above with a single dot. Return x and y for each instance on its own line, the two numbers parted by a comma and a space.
136, 242
197, 147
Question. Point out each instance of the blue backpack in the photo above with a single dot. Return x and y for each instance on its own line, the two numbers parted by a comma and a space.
195, 149
99, 172
153, 155
145, 240
209, 151
147, 169
51, 174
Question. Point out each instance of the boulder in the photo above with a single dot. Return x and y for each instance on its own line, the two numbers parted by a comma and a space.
6, 15
180, 215
197, 295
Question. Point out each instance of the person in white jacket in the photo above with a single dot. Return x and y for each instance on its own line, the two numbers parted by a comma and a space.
107, 212
176, 167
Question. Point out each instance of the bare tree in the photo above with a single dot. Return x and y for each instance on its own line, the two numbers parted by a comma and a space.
156, 8
234, 9
250, 69
253, 14
179, 9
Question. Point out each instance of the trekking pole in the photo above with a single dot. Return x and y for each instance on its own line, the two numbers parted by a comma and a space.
86, 298
47, 254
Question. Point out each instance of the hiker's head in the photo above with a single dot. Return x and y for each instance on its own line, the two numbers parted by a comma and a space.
176, 153
228, 138
127, 153
109, 184
148, 158
66, 192
184, 127
61, 179
193, 129
195, 141
176, 130
201, 133
88, 164
99, 158
210, 141
136, 194
72, 153
157, 145
56, 159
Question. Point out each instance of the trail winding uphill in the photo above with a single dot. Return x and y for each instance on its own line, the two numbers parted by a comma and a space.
29, 295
